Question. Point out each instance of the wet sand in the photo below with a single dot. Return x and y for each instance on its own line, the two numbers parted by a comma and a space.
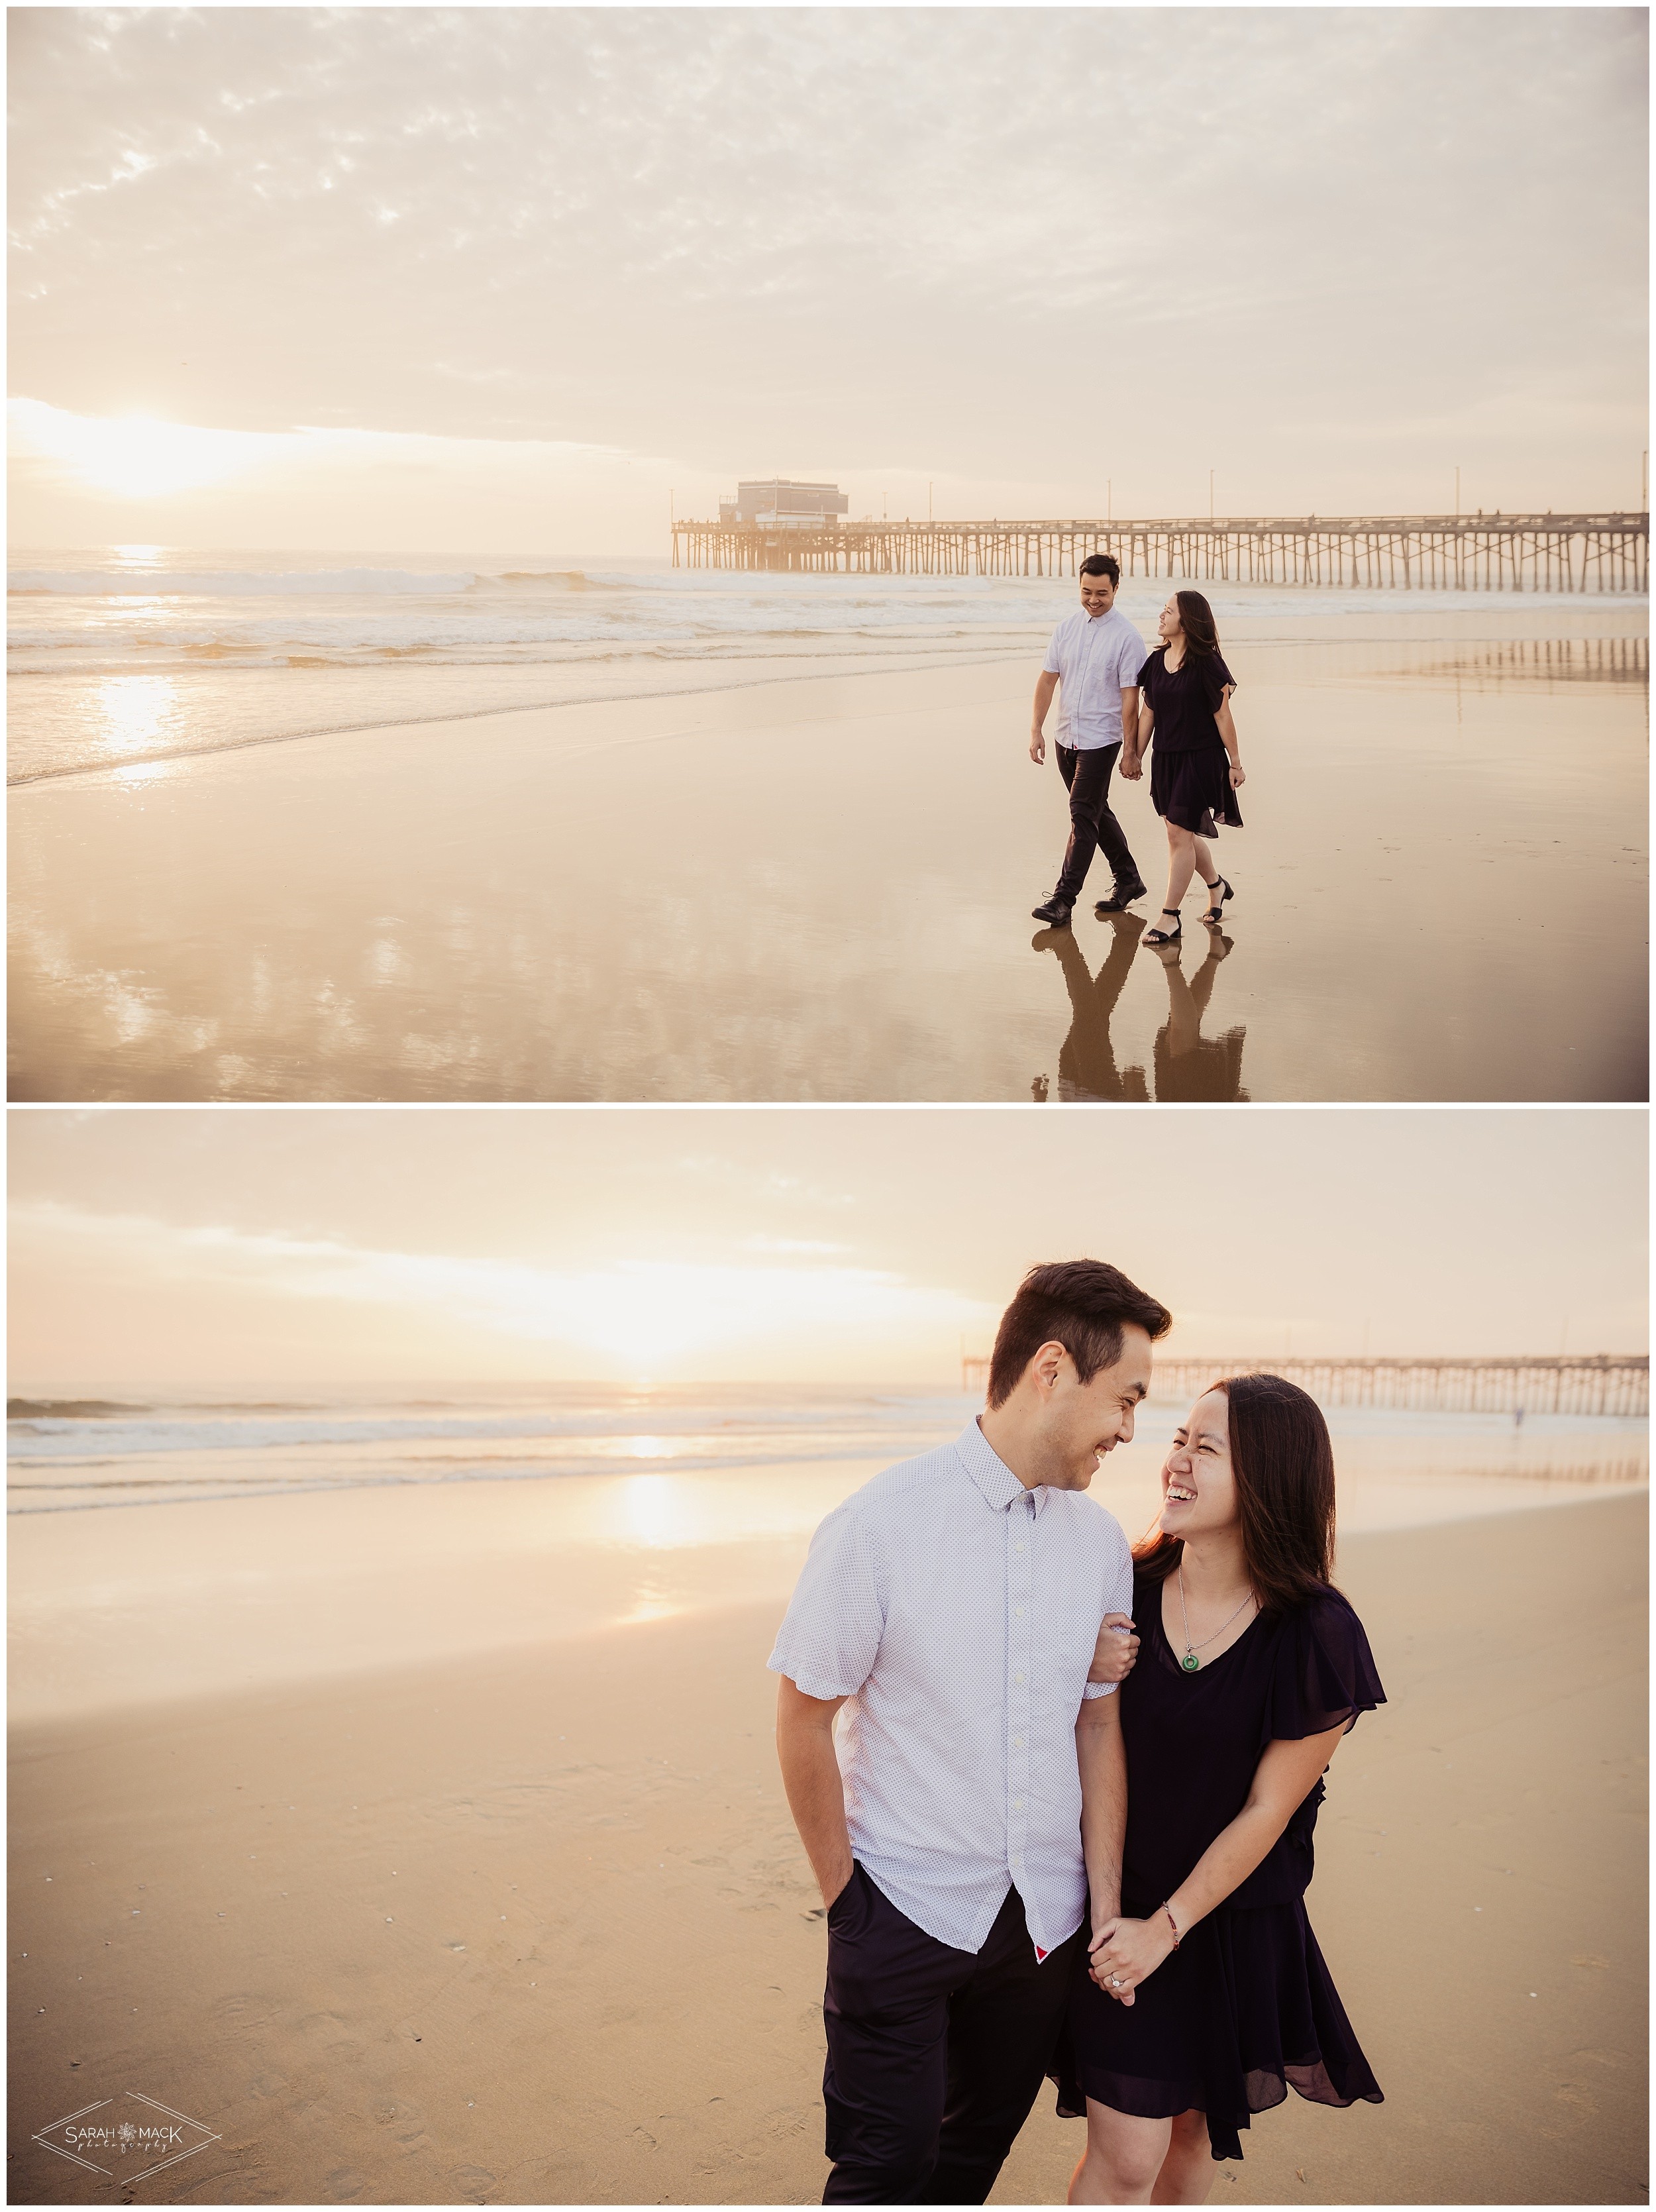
820, 889
533, 1926
139, 1605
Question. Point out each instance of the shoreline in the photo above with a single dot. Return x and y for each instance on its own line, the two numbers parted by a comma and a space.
808, 669
423, 914
122, 1609
1544, 617
535, 1927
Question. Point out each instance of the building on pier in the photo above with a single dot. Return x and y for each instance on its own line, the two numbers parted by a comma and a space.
778, 503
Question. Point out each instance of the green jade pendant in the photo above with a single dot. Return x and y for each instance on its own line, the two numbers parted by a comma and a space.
1190, 1662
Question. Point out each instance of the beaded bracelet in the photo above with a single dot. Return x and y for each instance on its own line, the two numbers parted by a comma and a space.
1172, 1923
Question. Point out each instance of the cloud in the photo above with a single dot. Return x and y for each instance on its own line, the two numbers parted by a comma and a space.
645, 1312
880, 239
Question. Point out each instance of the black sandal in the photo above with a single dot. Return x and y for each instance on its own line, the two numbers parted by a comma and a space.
1216, 911
1165, 936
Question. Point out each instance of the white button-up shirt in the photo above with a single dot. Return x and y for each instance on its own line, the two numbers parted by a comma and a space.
1095, 657
958, 1613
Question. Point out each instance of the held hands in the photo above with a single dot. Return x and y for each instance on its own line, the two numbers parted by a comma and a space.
1238, 775
1123, 1952
1115, 1651
1133, 763
1037, 746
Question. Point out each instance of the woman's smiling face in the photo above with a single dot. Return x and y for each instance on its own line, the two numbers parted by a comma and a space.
1199, 1485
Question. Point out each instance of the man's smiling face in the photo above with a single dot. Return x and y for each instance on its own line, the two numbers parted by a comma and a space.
1082, 1421
1097, 594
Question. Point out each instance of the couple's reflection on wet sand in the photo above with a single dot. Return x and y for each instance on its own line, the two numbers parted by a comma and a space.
1188, 1066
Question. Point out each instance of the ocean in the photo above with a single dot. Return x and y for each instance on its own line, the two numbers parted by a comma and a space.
70, 1455
163, 1550
120, 655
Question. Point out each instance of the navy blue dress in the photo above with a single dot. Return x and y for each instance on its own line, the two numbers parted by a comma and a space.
1245, 2009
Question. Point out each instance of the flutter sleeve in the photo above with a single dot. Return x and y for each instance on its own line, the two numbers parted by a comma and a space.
1214, 676
1147, 674
1325, 1673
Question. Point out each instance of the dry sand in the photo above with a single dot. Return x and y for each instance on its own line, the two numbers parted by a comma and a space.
821, 890
535, 1927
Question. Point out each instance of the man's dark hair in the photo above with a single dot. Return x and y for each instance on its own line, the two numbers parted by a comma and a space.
1101, 564
1082, 1304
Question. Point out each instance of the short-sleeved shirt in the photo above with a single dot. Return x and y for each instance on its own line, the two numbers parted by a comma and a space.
1186, 699
1095, 657
957, 1612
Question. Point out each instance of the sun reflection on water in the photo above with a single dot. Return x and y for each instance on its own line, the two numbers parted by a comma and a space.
137, 712
658, 1514
143, 772
651, 1602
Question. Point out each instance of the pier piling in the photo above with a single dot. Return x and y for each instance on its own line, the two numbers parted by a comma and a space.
1600, 1383
1581, 553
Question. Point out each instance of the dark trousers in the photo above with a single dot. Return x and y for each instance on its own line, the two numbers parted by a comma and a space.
1092, 825
934, 2056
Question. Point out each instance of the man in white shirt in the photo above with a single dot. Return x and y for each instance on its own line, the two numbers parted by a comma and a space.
956, 1610
1095, 654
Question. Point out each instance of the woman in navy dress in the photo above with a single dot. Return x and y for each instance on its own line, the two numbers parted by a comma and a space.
1204, 1998
1196, 760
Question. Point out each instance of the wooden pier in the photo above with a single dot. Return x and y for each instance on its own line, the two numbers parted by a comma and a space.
1602, 1384
1593, 553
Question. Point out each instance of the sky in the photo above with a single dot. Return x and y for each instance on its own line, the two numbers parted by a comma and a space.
205, 1249
522, 279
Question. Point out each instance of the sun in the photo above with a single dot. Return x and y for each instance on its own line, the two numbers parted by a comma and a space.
134, 456
138, 456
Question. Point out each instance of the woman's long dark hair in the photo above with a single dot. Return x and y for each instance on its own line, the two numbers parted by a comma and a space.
1196, 619
1284, 1465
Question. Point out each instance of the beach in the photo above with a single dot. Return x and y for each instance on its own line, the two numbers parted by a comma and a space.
797, 862
398, 1913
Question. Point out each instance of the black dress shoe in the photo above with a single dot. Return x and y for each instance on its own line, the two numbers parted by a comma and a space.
1055, 913
1121, 897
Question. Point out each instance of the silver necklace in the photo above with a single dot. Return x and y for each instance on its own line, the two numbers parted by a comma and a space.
1190, 1662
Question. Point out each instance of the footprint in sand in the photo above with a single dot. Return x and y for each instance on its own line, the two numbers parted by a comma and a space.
328, 2029
344, 2185
253, 2186
405, 2121
472, 2181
